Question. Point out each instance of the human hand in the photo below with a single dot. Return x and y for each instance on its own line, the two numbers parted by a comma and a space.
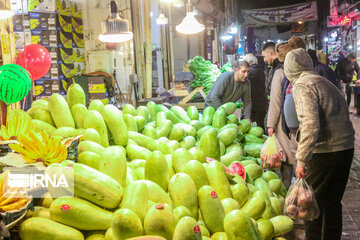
270, 131
300, 172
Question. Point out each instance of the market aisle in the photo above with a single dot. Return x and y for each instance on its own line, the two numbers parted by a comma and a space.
351, 200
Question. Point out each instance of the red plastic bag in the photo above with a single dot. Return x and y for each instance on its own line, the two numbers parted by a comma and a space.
300, 202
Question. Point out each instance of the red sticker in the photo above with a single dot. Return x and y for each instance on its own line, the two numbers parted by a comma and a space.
160, 206
65, 208
68, 167
214, 194
196, 229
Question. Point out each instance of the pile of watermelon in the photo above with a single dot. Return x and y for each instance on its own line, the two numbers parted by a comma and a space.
159, 172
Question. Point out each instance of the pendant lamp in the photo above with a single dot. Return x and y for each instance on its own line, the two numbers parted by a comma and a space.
162, 20
189, 24
114, 28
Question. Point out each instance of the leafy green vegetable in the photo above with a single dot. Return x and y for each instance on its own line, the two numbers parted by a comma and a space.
205, 73
226, 68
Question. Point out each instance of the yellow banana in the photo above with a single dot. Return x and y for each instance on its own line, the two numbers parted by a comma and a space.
22, 151
9, 198
19, 122
37, 141
4, 133
29, 145
45, 137
16, 205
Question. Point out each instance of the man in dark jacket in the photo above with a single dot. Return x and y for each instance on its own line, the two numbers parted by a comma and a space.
345, 70
258, 92
273, 63
323, 70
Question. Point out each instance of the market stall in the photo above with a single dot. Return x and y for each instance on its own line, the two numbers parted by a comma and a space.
140, 168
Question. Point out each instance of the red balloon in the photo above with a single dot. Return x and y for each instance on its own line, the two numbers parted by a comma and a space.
38, 60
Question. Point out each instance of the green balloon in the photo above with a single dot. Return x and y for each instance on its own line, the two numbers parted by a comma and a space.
15, 83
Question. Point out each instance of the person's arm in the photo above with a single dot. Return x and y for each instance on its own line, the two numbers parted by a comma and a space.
338, 71
247, 99
275, 99
308, 114
219, 88
357, 70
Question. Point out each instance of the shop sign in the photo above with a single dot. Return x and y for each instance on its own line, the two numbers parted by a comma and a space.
281, 15
337, 21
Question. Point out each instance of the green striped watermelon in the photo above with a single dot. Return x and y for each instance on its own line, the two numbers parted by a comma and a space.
15, 83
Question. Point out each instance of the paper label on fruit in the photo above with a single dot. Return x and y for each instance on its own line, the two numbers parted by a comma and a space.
65, 208
197, 229
214, 194
160, 206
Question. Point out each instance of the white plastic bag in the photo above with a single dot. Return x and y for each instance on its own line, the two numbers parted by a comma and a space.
272, 154
300, 202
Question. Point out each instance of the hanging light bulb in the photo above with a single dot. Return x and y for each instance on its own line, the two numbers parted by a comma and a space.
178, 3
162, 20
189, 24
5, 12
114, 28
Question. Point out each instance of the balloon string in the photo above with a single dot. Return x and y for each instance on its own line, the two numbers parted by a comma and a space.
24, 30
23, 22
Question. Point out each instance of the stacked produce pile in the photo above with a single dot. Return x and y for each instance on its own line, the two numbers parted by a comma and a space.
156, 171
205, 73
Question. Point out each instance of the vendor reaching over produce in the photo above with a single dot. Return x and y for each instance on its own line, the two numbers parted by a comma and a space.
325, 142
230, 87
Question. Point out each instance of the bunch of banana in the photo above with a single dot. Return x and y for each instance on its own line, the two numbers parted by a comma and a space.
47, 150
12, 198
17, 123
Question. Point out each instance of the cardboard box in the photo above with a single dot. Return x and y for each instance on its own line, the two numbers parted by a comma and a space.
79, 67
66, 56
63, 7
42, 6
22, 40
64, 23
18, 22
79, 55
78, 40
45, 87
97, 85
66, 71
47, 38
100, 96
76, 8
77, 25
42, 21
64, 39
16, 7
54, 52
53, 72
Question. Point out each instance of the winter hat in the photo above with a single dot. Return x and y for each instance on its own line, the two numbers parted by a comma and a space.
296, 62
283, 48
251, 59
